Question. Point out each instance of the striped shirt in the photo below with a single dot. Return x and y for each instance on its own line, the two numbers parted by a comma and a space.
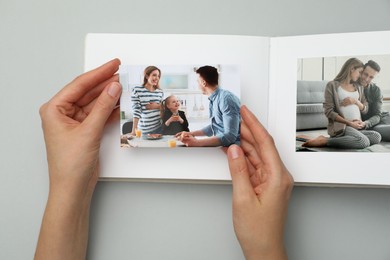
149, 120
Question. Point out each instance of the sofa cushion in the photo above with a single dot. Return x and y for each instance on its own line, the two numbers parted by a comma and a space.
309, 92
310, 108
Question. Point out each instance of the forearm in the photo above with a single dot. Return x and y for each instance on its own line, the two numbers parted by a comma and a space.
341, 119
64, 230
209, 141
372, 121
277, 253
135, 123
197, 133
360, 105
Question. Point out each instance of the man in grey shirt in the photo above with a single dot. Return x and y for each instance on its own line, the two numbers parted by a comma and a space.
375, 119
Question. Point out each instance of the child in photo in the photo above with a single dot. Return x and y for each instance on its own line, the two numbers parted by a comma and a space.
174, 120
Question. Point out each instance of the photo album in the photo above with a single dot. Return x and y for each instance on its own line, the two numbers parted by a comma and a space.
325, 99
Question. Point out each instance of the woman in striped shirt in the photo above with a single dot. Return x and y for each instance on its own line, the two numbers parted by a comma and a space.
146, 100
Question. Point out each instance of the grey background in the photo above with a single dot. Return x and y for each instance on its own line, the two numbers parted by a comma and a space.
41, 49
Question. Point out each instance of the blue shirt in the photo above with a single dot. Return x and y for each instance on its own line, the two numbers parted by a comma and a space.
225, 117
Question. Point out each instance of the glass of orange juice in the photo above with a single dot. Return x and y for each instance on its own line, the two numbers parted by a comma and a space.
172, 143
138, 132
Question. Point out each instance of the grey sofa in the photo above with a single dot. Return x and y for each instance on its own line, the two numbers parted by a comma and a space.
310, 111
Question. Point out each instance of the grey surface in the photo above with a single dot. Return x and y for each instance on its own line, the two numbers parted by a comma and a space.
41, 49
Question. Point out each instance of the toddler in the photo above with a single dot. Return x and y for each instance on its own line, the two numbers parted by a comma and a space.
174, 120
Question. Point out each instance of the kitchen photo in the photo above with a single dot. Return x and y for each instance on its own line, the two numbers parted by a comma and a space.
179, 105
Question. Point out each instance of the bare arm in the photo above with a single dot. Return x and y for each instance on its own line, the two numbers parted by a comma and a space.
135, 125
88, 102
261, 190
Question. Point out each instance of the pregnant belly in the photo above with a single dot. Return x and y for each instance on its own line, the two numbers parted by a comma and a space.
351, 112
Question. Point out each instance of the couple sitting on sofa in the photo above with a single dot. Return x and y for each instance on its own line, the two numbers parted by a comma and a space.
353, 108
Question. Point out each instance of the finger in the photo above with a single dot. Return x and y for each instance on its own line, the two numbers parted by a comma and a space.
242, 186
103, 107
87, 81
250, 147
96, 91
251, 153
87, 108
265, 147
246, 134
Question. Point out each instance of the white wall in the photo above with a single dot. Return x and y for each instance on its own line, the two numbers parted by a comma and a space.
311, 69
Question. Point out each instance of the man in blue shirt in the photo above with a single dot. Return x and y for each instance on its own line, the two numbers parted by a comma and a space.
224, 113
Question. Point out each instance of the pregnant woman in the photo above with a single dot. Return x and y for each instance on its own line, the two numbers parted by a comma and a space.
146, 101
344, 103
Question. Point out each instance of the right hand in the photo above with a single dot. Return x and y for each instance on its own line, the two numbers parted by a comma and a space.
348, 101
180, 134
152, 106
261, 191
183, 136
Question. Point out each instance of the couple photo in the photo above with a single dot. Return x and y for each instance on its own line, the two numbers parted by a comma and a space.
349, 114
170, 106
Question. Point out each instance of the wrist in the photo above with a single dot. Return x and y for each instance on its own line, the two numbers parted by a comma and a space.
270, 248
274, 254
73, 189
70, 198
64, 230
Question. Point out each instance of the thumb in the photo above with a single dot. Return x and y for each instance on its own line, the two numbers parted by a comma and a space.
104, 106
239, 172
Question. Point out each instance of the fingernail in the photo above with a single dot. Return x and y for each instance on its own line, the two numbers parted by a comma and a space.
234, 152
114, 90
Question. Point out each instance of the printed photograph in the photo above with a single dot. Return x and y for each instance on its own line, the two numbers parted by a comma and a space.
343, 104
179, 105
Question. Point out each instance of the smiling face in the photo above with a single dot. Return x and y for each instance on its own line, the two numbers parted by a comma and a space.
367, 76
173, 103
153, 78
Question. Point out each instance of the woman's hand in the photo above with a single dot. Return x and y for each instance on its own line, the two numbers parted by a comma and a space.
261, 191
357, 124
152, 106
348, 101
73, 122
351, 101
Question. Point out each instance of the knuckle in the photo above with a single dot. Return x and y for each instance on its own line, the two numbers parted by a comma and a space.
42, 110
241, 168
270, 139
102, 105
288, 182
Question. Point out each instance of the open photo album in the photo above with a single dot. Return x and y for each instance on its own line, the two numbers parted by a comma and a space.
324, 99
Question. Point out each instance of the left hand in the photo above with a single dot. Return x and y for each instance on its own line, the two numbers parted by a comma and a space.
73, 122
